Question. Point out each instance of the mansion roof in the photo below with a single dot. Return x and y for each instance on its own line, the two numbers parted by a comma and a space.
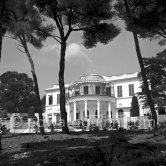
94, 78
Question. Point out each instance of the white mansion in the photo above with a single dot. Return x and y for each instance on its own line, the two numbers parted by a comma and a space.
95, 96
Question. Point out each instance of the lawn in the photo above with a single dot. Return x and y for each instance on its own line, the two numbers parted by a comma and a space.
82, 148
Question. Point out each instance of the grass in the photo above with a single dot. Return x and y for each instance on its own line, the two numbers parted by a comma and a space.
32, 149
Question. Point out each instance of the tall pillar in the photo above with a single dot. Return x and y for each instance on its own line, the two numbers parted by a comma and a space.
98, 109
74, 110
109, 110
86, 109
68, 112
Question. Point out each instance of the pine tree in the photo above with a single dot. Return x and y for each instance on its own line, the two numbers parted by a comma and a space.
134, 107
125, 12
92, 17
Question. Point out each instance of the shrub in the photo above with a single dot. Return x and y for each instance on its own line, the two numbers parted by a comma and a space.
107, 125
4, 130
115, 125
133, 125
93, 127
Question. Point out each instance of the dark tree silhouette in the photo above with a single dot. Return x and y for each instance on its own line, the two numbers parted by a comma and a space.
2, 8
17, 92
23, 28
149, 19
43, 102
156, 74
134, 107
125, 13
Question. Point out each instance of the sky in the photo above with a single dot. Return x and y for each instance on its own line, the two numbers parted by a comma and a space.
115, 58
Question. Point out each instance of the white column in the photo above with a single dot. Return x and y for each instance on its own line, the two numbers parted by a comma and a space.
52, 118
109, 110
86, 109
74, 110
68, 112
98, 109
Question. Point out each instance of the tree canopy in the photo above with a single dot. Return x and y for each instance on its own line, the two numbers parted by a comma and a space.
134, 107
156, 74
148, 18
17, 92
92, 17
126, 10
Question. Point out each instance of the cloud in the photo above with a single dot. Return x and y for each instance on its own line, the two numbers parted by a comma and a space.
75, 50
50, 48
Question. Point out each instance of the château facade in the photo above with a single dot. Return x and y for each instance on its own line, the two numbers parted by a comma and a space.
93, 97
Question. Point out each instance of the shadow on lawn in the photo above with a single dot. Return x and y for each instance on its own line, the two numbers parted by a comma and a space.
92, 147
35, 152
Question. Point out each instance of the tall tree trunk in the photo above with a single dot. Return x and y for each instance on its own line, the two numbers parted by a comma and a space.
61, 73
62, 89
139, 56
36, 85
0, 40
1, 17
0, 144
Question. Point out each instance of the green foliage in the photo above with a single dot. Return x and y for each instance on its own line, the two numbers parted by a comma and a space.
3, 113
156, 74
4, 130
115, 125
29, 23
133, 125
148, 18
134, 107
93, 17
16, 91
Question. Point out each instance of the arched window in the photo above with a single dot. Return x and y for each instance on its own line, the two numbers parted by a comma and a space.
96, 114
78, 115
120, 113
88, 114
107, 114
50, 100
58, 117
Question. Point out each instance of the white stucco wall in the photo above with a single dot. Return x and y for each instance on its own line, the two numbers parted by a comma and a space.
123, 102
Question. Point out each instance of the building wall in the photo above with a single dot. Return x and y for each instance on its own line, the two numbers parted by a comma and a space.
71, 111
80, 107
92, 107
104, 108
123, 102
91, 88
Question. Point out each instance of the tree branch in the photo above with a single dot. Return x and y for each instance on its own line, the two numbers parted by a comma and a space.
161, 34
60, 20
53, 36
55, 16
162, 29
20, 50
69, 24
13, 39
79, 29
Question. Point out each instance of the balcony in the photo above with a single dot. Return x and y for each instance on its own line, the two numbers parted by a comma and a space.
77, 94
